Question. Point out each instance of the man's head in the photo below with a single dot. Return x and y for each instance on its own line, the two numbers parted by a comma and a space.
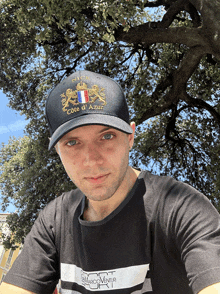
86, 98
89, 124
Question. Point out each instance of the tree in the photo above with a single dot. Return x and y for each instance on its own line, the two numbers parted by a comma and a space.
28, 178
164, 53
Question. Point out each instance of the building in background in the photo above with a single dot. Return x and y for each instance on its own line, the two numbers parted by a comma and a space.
7, 257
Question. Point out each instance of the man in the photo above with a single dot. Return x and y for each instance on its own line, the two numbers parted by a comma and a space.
123, 230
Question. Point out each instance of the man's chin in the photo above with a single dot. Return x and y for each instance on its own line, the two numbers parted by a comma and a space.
100, 194
98, 198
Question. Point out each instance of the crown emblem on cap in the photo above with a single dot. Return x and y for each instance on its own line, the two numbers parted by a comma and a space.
82, 95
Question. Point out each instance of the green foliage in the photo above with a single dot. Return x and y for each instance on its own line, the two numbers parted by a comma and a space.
30, 177
165, 54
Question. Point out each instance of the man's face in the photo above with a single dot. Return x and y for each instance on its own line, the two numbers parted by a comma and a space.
96, 159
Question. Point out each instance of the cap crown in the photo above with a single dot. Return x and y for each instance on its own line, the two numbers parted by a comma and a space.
82, 97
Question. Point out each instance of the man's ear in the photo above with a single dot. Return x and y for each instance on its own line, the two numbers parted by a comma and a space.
132, 125
131, 136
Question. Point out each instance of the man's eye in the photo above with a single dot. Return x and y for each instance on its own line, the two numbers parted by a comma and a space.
108, 136
71, 143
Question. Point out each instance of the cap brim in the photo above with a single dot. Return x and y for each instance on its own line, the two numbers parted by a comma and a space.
89, 119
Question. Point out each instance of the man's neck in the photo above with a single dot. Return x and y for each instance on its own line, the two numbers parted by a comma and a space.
98, 210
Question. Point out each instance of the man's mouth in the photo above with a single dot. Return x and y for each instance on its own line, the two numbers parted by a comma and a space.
97, 179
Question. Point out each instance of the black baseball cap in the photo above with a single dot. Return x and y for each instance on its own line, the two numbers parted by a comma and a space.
86, 98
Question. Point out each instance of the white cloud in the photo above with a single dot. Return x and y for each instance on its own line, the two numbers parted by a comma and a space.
16, 126
4, 130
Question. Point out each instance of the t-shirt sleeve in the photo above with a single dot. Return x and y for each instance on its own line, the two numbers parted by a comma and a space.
37, 267
196, 224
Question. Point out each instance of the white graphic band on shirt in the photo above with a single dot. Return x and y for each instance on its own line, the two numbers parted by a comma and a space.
116, 279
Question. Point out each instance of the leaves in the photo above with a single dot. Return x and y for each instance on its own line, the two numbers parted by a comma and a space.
29, 178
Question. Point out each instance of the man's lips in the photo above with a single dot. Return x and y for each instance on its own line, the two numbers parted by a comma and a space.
97, 179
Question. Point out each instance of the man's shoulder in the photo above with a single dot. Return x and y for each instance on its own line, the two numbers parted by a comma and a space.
67, 198
165, 191
67, 201
164, 184
72, 196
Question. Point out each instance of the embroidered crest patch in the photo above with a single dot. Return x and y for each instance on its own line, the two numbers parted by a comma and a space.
76, 100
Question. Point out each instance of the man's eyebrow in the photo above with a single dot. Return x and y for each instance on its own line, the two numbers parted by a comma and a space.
68, 137
105, 129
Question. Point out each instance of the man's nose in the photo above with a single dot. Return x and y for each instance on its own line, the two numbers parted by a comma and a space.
92, 155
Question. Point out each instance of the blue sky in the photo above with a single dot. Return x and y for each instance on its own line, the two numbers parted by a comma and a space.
11, 124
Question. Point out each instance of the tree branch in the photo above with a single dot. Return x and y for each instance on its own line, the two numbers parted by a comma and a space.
196, 18
154, 4
162, 104
187, 67
177, 83
210, 11
144, 33
200, 103
172, 12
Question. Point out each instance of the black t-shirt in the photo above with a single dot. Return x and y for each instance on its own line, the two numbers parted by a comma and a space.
164, 238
